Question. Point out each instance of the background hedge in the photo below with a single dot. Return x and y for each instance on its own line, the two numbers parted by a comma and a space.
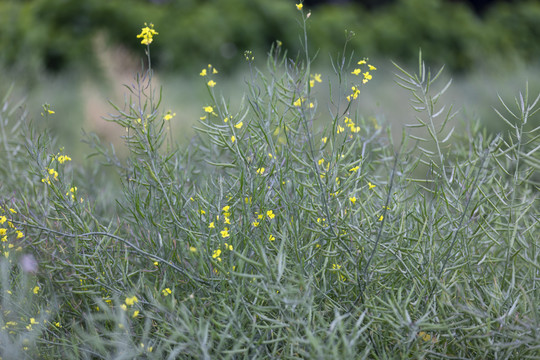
51, 35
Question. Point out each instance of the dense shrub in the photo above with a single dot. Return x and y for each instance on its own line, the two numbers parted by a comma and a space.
269, 237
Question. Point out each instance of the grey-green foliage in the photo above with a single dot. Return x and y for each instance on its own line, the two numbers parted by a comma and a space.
263, 240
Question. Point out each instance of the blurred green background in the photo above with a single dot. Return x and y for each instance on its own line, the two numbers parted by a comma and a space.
75, 55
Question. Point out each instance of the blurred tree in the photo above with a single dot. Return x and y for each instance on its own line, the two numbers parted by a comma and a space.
51, 35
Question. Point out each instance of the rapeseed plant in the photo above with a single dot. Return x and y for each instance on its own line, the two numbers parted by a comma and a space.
336, 247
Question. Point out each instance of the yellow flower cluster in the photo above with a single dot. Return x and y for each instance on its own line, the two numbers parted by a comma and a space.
52, 173
72, 191
351, 125
298, 103
4, 232
314, 78
269, 214
147, 34
354, 94
130, 301
169, 116
366, 76
47, 110
63, 158
337, 269
209, 70
166, 292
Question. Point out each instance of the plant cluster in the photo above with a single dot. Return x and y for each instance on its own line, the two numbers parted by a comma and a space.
268, 237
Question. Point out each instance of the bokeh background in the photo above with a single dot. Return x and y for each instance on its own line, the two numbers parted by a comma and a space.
76, 55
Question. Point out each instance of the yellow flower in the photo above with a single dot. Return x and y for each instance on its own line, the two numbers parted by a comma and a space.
192, 249
203, 72
147, 34
2, 219
166, 292
381, 218
299, 6
131, 300
3, 231
239, 125
169, 116
13, 210
216, 253
362, 62
372, 68
255, 223
260, 171
211, 226
135, 313
35, 290
229, 246
54, 173
233, 139
425, 336
211, 83
356, 92
124, 307
50, 111
371, 186
324, 140
208, 109
271, 238
298, 103
356, 72
270, 214
62, 159
225, 233
353, 199
354, 169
